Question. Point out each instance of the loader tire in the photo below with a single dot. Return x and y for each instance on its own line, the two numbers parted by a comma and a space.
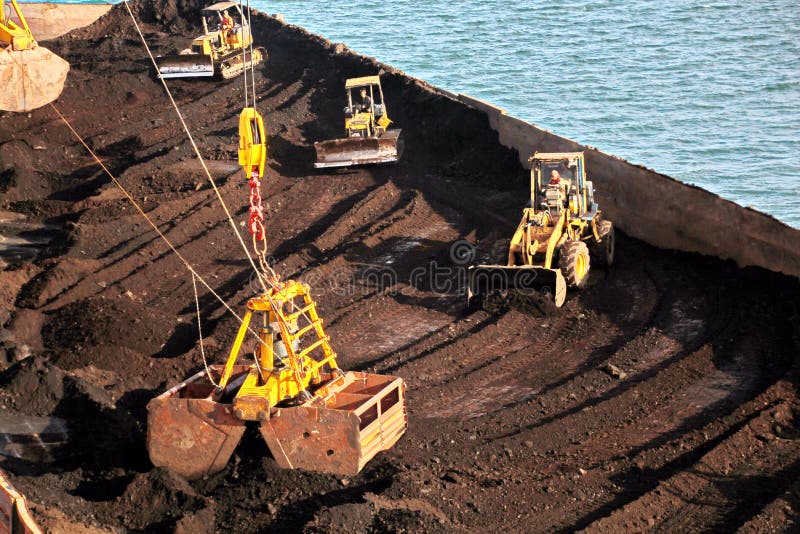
602, 252
574, 263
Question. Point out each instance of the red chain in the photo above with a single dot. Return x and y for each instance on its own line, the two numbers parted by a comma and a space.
256, 220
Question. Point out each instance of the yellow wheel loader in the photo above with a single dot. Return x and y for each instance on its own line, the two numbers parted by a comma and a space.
32, 76
369, 139
223, 50
561, 235
311, 414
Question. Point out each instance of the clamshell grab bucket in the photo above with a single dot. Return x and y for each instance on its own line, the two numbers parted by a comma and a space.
349, 420
361, 415
484, 279
31, 78
353, 151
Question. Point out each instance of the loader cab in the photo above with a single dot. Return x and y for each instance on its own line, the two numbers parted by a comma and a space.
570, 193
365, 114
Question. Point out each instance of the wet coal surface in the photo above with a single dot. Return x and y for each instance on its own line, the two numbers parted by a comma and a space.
664, 396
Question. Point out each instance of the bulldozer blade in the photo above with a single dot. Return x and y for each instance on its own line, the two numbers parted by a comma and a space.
484, 279
31, 78
359, 150
185, 66
357, 416
191, 433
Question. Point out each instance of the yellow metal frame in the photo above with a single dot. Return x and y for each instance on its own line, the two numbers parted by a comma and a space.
19, 36
302, 334
252, 143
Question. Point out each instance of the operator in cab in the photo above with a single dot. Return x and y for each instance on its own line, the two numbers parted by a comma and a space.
366, 101
561, 182
227, 24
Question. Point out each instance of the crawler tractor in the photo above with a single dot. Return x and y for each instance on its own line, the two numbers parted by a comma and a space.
311, 414
225, 48
369, 139
561, 235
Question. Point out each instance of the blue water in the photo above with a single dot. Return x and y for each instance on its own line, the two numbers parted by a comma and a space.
705, 91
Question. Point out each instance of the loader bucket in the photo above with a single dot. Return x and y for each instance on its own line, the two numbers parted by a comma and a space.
484, 279
31, 78
185, 66
359, 415
191, 433
359, 150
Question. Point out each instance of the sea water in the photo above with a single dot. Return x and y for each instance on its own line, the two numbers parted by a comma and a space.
705, 91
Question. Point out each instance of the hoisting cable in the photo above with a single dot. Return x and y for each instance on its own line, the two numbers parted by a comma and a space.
244, 58
252, 61
264, 264
200, 331
197, 151
138, 208
264, 280
271, 277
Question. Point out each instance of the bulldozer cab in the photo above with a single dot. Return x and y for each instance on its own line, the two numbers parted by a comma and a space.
369, 140
558, 181
227, 26
365, 114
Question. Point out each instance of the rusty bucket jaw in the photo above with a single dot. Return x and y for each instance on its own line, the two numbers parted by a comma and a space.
191, 433
342, 428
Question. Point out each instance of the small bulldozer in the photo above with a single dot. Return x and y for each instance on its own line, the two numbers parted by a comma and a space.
31, 75
562, 233
369, 139
223, 50
312, 415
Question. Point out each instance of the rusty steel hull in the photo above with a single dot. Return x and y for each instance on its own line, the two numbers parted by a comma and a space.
352, 151
193, 431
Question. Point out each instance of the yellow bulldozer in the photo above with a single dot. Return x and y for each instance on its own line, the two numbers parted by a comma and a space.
311, 414
32, 75
224, 50
561, 235
369, 139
